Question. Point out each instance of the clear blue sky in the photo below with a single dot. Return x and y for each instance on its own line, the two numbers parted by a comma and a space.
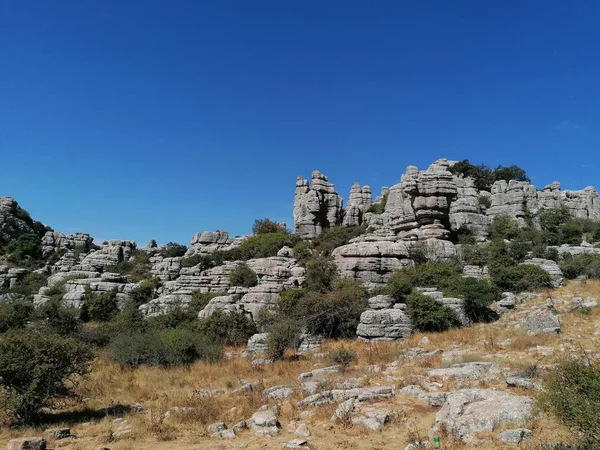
158, 119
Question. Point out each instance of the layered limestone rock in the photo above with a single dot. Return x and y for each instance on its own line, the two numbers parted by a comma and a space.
384, 321
11, 276
274, 274
211, 241
316, 206
359, 202
13, 221
109, 254
54, 242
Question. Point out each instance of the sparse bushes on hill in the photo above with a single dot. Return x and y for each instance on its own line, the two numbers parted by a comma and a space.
283, 334
243, 276
29, 286
173, 250
14, 314
321, 273
200, 300
342, 356
263, 246
99, 307
572, 395
427, 314
478, 295
37, 370
331, 238
504, 227
580, 266
137, 268
226, 328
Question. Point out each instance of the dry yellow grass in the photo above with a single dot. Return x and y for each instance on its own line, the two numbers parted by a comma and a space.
159, 390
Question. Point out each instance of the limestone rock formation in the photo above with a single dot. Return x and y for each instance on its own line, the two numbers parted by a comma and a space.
54, 242
359, 201
383, 322
14, 222
211, 241
316, 206
11, 276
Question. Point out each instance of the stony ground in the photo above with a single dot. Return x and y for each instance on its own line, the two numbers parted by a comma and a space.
399, 383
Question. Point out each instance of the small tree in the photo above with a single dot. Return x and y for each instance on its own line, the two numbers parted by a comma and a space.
427, 314
100, 307
173, 249
38, 370
342, 356
265, 226
243, 276
282, 335
28, 246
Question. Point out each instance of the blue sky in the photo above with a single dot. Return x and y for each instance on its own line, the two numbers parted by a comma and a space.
155, 119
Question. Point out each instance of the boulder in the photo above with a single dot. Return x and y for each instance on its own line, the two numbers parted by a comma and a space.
32, 443
543, 320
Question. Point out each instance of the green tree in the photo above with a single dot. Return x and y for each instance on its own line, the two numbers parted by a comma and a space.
243, 276
26, 247
266, 226
38, 370
427, 314
173, 249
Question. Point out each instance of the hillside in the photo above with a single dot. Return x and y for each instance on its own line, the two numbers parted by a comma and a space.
460, 285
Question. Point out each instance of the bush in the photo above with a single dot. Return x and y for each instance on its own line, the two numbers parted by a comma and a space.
137, 268
14, 314
478, 296
321, 273
243, 276
504, 227
438, 275
30, 285
334, 314
163, 348
427, 314
227, 328
484, 177
204, 262
99, 307
27, 247
485, 201
400, 285
580, 266
173, 250
262, 246
56, 318
521, 278
38, 370
144, 292
342, 356
334, 237
282, 335
572, 395
474, 254
200, 300
266, 226
379, 208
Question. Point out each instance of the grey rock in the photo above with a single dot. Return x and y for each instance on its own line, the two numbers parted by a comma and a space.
58, 433
384, 325
258, 343
464, 371
543, 320
320, 372
31, 443
224, 434
296, 443
302, 430
216, 427
482, 410
515, 436
278, 392
264, 423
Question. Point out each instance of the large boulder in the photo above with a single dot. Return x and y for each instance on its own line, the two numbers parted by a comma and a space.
469, 411
384, 324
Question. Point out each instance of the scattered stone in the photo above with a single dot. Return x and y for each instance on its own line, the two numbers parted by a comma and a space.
302, 430
31, 443
543, 320
296, 443
264, 423
278, 392
224, 434
216, 427
471, 371
319, 372
58, 433
515, 436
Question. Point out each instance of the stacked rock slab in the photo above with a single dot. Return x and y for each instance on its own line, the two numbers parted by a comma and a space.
12, 224
54, 242
316, 206
211, 241
359, 202
384, 321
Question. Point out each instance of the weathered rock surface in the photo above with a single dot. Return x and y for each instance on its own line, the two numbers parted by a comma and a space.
33, 443
383, 324
543, 320
556, 275
475, 410
54, 242
515, 436
264, 423
13, 221
316, 206
211, 241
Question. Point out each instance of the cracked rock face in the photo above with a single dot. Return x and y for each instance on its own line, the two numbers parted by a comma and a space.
317, 205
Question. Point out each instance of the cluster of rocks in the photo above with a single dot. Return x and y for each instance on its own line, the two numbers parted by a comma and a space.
54, 242
11, 276
13, 220
384, 320
211, 241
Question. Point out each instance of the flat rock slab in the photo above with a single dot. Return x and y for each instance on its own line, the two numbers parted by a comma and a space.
31, 443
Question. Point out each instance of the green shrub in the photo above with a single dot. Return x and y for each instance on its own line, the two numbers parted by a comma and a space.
485, 201
173, 250
163, 348
478, 296
144, 292
267, 226
137, 268
28, 247
484, 176
400, 285
342, 356
438, 275
474, 254
524, 277
334, 314
15, 314
38, 370
586, 265
498, 254
379, 208
243, 276
282, 335
427, 314
321, 273
227, 328
303, 251
97, 336
262, 246
56, 318
504, 227
200, 300
518, 249
99, 307
334, 237
204, 262
572, 395
30, 285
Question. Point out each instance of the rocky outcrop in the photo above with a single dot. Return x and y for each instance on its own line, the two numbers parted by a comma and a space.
14, 221
384, 321
54, 242
109, 254
549, 266
316, 206
11, 276
211, 241
359, 202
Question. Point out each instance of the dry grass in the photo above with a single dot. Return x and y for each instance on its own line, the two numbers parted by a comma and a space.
160, 390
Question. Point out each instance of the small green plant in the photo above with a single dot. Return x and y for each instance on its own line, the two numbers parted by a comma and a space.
15, 314
342, 356
243, 276
572, 395
521, 278
485, 201
282, 335
379, 208
266, 226
584, 310
200, 300
226, 328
